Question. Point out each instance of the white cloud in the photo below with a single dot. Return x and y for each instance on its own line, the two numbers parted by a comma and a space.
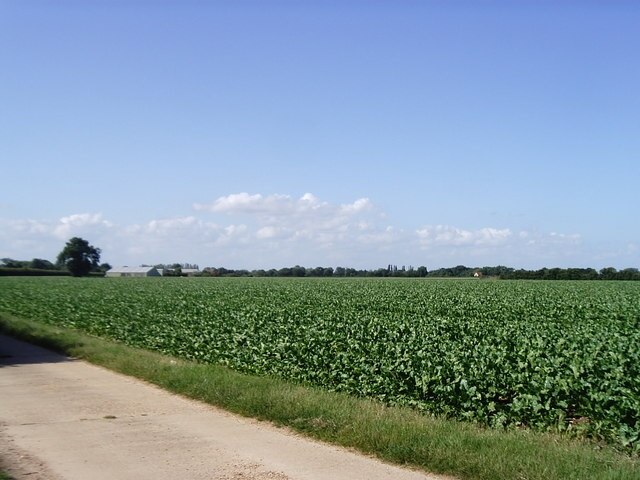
286, 218
445, 245
182, 233
76, 224
277, 205
28, 238
265, 231
28, 227
563, 237
445, 235
251, 204
550, 239
172, 226
381, 236
360, 205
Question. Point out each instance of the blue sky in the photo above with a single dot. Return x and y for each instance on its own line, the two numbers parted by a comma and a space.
259, 134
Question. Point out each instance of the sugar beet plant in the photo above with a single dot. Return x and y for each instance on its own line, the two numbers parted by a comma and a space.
546, 355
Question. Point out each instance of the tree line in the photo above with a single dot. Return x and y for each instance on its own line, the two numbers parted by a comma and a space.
299, 271
79, 258
508, 273
608, 273
460, 271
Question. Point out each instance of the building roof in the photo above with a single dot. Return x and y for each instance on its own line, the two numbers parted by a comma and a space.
126, 269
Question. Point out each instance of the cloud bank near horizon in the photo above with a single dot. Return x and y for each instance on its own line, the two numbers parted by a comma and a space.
243, 230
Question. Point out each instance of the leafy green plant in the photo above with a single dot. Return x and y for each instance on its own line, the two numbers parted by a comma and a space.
552, 356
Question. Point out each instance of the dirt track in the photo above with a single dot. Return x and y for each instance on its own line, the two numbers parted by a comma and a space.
66, 419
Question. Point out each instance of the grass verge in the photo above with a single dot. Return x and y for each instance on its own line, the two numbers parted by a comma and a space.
397, 435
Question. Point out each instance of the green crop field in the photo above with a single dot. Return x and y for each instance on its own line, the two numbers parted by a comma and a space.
554, 356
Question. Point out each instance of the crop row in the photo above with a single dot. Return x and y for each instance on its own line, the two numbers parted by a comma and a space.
546, 355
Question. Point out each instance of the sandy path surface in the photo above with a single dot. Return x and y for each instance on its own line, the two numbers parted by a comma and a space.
66, 419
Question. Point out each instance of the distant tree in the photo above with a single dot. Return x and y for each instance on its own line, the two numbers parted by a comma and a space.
11, 263
175, 270
284, 272
314, 272
380, 272
104, 267
79, 257
628, 274
298, 271
42, 264
608, 273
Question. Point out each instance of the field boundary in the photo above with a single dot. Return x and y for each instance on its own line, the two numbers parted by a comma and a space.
394, 434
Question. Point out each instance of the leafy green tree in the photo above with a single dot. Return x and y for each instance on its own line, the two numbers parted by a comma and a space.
298, 271
608, 273
11, 263
79, 257
629, 274
104, 267
42, 264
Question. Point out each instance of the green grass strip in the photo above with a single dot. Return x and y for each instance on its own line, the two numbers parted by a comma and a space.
397, 435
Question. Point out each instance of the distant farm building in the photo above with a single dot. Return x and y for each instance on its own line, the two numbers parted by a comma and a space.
190, 272
133, 272
477, 274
